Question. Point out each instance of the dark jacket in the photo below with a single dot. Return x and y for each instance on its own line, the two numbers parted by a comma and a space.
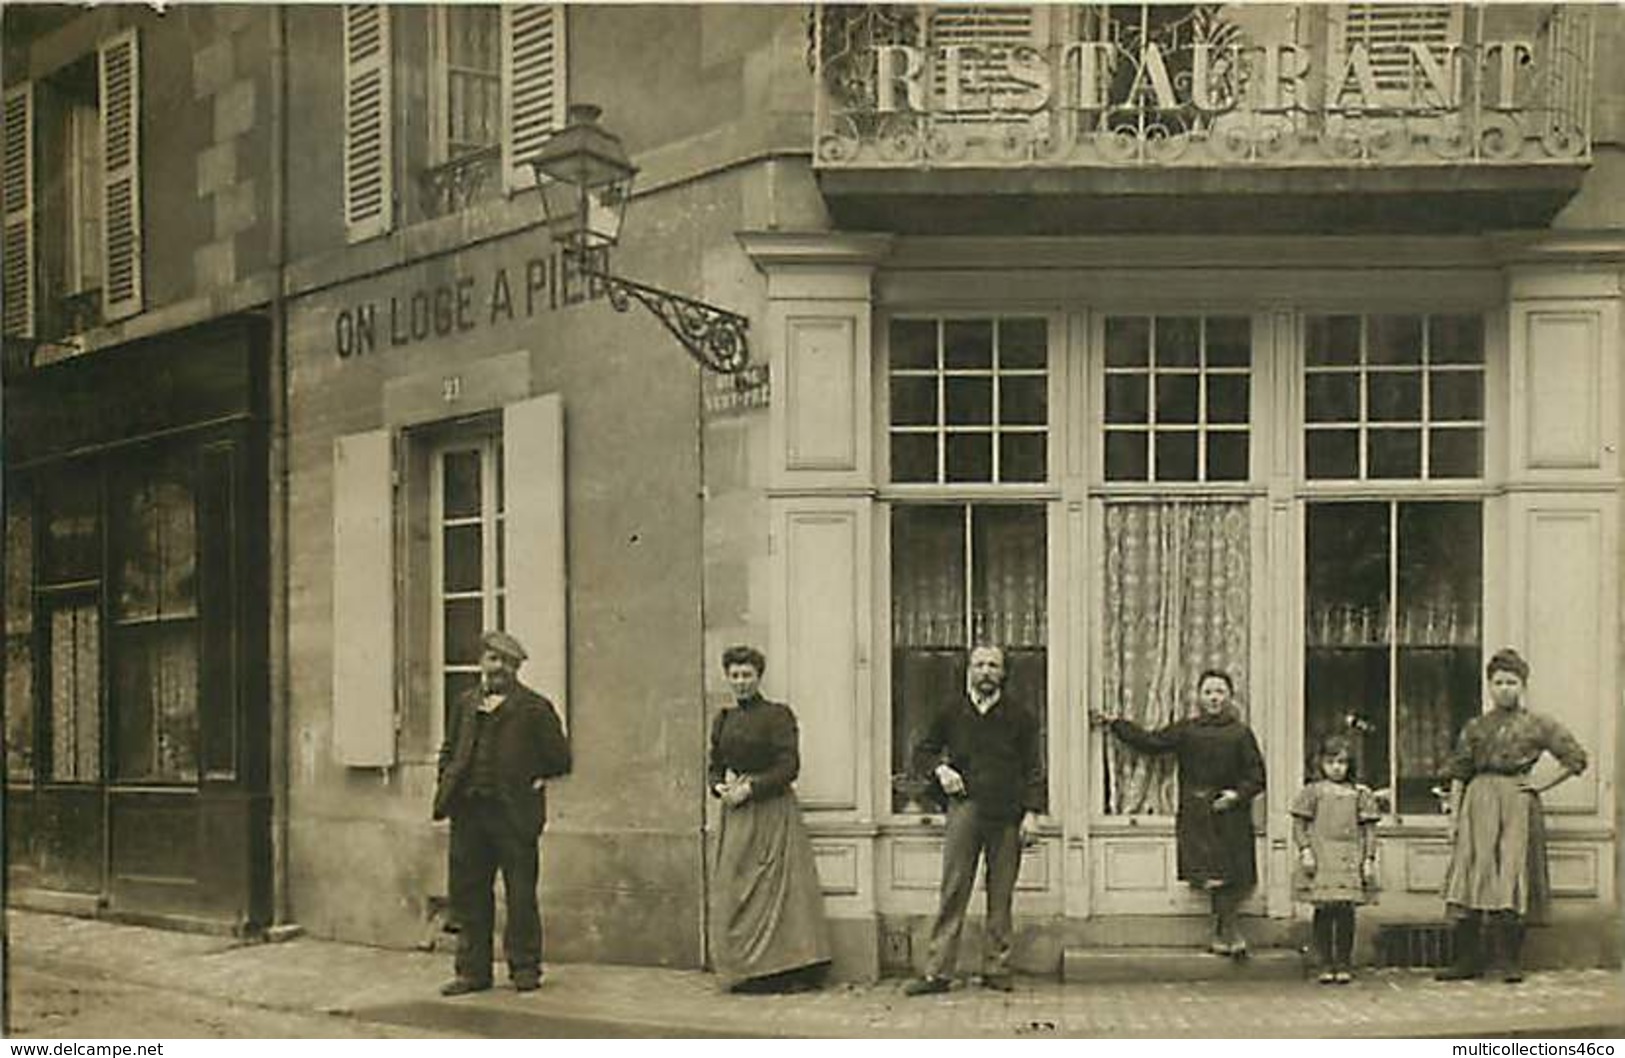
531, 745
997, 754
757, 738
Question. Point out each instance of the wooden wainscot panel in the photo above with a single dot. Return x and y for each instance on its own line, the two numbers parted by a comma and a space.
1137, 866
1564, 618
1562, 390
821, 393
821, 614
1034, 876
916, 863
1425, 864
837, 867
1573, 870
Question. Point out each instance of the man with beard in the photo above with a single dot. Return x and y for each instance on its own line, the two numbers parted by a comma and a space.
502, 741
982, 750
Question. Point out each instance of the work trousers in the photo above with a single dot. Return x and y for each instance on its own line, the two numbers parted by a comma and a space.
484, 842
967, 839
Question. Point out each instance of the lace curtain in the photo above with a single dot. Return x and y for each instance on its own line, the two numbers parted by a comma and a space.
1176, 602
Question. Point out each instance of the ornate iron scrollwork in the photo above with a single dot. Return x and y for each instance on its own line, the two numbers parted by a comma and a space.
715, 338
455, 185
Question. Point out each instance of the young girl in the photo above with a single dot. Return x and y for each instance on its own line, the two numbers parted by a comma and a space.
1334, 824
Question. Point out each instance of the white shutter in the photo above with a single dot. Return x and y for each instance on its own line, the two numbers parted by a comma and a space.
533, 85
18, 193
364, 600
121, 177
537, 588
1384, 29
369, 192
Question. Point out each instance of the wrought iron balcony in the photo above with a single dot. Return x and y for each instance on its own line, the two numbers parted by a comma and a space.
471, 177
1193, 86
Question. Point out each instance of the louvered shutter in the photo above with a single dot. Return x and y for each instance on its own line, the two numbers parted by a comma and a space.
538, 599
994, 28
364, 600
1385, 29
121, 175
19, 211
369, 191
533, 85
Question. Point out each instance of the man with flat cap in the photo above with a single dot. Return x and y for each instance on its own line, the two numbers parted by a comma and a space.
503, 740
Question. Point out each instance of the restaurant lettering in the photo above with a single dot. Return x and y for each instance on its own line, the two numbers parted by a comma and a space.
1279, 77
457, 306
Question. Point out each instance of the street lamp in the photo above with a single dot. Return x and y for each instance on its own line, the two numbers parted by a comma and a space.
585, 180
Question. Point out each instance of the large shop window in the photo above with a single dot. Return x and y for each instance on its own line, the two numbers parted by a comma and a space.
1393, 613
962, 575
68, 603
468, 559
1178, 398
155, 623
19, 618
969, 400
1394, 397
1176, 601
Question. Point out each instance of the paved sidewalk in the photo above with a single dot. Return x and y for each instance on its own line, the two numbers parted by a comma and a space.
399, 988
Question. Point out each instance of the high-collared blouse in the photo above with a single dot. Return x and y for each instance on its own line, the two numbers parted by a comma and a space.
1509, 742
757, 738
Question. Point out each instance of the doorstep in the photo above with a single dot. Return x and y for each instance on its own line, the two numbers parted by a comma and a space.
1122, 965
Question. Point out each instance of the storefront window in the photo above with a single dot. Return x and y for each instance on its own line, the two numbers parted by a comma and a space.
19, 618
1177, 595
1394, 397
469, 572
155, 615
969, 400
1178, 398
1393, 620
962, 575
74, 652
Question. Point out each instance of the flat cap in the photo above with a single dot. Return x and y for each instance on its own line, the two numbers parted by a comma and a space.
502, 643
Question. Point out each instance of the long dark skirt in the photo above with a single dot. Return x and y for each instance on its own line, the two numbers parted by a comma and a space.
1214, 847
767, 911
1499, 860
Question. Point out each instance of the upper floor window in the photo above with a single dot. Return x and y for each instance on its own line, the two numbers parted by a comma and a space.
466, 97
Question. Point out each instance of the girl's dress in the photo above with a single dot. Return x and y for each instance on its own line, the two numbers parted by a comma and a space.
1327, 817
1214, 753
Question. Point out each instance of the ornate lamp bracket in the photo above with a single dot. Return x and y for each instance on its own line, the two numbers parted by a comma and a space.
715, 338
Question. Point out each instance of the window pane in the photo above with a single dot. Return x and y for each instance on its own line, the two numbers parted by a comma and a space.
1394, 397
19, 555
1332, 340
1227, 397
1023, 401
19, 708
1176, 456
1332, 397
1439, 692
1229, 341
1455, 453
1456, 339
928, 576
1394, 339
1128, 398
913, 401
463, 558
1126, 457
920, 678
457, 684
1128, 341
464, 623
1177, 341
155, 688
502, 557
72, 537
1227, 456
1023, 343
1394, 454
1332, 453
74, 696
970, 401
1008, 587
914, 457
913, 344
461, 484
1177, 398
967, 344
970, 457
1022, 457
1454, 396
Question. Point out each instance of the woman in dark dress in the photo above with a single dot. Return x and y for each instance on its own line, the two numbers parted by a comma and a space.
1497, 876
1220, 772
767, 922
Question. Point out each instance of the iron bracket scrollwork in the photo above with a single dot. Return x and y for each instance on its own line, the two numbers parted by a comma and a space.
714, 337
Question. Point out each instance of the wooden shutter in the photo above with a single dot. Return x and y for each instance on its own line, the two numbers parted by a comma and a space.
121, 175
1382, 28
364, 600
533, 85
18, 193
537, 588
369, 193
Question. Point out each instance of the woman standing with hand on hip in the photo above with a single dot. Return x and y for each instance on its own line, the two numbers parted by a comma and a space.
1497, 878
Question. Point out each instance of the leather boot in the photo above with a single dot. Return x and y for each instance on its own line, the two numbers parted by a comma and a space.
1465, 963
1511, 948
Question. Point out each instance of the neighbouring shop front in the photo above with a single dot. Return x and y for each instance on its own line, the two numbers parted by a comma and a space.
137, 733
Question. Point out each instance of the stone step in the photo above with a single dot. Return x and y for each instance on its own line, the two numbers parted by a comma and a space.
1107, 965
